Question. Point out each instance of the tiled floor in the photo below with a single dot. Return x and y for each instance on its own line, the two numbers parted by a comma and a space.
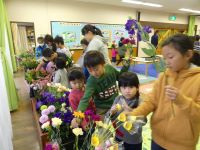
24, 131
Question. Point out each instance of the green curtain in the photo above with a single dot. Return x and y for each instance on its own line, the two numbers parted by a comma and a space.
191, 25
8, 73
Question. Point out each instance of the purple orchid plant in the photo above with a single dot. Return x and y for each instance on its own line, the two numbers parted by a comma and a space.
134, 28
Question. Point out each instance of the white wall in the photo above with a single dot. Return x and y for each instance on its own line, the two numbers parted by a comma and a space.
41, 12
163, 17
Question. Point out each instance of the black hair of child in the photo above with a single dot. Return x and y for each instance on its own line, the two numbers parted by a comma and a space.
76, 74
47, 52
129, 79
120, 42
93, 58
197, 37
59, 40
60, 63
182, 43
48, 38
84, 42
91, 28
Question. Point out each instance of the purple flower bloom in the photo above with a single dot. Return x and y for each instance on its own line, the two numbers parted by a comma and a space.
45, 112
51, 108
131, 24
89, 112
51, 99
48, 146
38, 104
43, 119
147, 29
132, 32
139, 36
68, 116
62, 99
58, 115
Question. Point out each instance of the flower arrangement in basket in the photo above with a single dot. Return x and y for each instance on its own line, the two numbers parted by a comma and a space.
56, 114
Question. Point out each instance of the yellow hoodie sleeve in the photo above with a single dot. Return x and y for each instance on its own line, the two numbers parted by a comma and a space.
190, 105
151, 101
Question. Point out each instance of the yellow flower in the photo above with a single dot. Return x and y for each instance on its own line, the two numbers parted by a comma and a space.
131, 118
122, 117
118, 107
78, 114
59, 90
56, 122
43, 107
95, 140
127, 125
105, 126
99, 123
77, 131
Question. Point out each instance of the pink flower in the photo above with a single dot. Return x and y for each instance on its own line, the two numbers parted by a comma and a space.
43, 119
108, 143
99, 148
132, 41
51, 108
125, 41
45, 112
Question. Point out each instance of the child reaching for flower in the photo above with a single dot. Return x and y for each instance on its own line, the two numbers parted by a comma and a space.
77, 83
129, 88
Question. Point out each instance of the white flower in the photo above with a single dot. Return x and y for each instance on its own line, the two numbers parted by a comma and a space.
48, 84
35, 88
63, 104
58, 85
45, 125
77, 131
56, 122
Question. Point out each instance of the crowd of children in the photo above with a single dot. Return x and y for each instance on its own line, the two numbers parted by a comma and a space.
174, 101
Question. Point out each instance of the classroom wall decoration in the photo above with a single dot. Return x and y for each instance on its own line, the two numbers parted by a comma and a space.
71, 32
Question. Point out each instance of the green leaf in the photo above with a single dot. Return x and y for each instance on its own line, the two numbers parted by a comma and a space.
149, 52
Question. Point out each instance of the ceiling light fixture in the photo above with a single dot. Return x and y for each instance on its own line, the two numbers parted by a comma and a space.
189, 10
142, 3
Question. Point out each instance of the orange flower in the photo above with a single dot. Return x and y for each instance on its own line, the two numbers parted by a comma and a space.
78, 114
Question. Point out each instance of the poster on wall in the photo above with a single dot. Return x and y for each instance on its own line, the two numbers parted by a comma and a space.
71, 32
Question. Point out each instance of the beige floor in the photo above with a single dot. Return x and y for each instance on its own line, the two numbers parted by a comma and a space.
24, 131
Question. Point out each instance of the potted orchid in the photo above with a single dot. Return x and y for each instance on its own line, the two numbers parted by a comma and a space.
134, 28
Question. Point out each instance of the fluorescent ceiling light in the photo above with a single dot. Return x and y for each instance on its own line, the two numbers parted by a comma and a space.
142, 3
189, 10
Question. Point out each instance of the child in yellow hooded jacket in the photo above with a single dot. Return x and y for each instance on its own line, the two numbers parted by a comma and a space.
175, 99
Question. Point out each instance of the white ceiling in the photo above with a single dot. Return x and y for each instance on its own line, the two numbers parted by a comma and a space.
170, 6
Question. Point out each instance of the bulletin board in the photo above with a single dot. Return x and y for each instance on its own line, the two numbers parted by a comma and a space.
71, 32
